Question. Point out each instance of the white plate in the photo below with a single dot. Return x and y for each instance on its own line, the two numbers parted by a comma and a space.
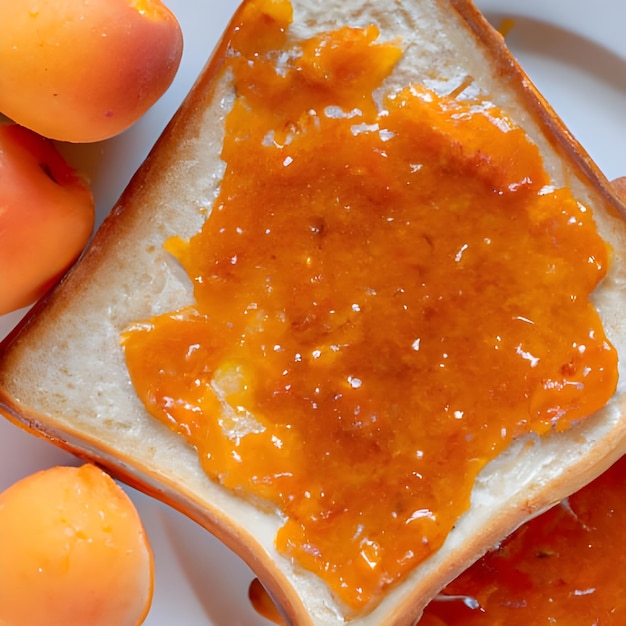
575, 53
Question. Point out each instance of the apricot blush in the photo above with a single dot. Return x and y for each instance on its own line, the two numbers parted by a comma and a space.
46, 216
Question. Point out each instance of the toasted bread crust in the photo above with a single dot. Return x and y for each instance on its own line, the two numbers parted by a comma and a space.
62, 372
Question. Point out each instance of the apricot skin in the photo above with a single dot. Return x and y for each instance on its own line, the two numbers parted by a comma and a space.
46, 216
83, 71
73, 552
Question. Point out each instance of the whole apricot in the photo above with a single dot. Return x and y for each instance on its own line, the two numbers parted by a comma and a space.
85, 70
46, 216
73, 552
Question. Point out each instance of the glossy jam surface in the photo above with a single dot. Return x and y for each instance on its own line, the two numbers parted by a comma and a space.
566, 568
385, 296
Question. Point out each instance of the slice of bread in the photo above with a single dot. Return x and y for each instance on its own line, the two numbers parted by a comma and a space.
63, 373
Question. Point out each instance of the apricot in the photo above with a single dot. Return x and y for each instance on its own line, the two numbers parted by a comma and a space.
73, 551
46, 216
84, 71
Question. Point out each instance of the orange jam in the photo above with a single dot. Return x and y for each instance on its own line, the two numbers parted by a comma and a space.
565, 567
387, 292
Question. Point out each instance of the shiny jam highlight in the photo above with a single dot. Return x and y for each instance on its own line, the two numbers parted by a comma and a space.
566, 567
387, 292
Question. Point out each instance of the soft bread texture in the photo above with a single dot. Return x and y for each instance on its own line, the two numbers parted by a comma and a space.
62, 372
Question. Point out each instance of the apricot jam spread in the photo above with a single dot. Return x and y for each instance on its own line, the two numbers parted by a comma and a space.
387, 291
565, 568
